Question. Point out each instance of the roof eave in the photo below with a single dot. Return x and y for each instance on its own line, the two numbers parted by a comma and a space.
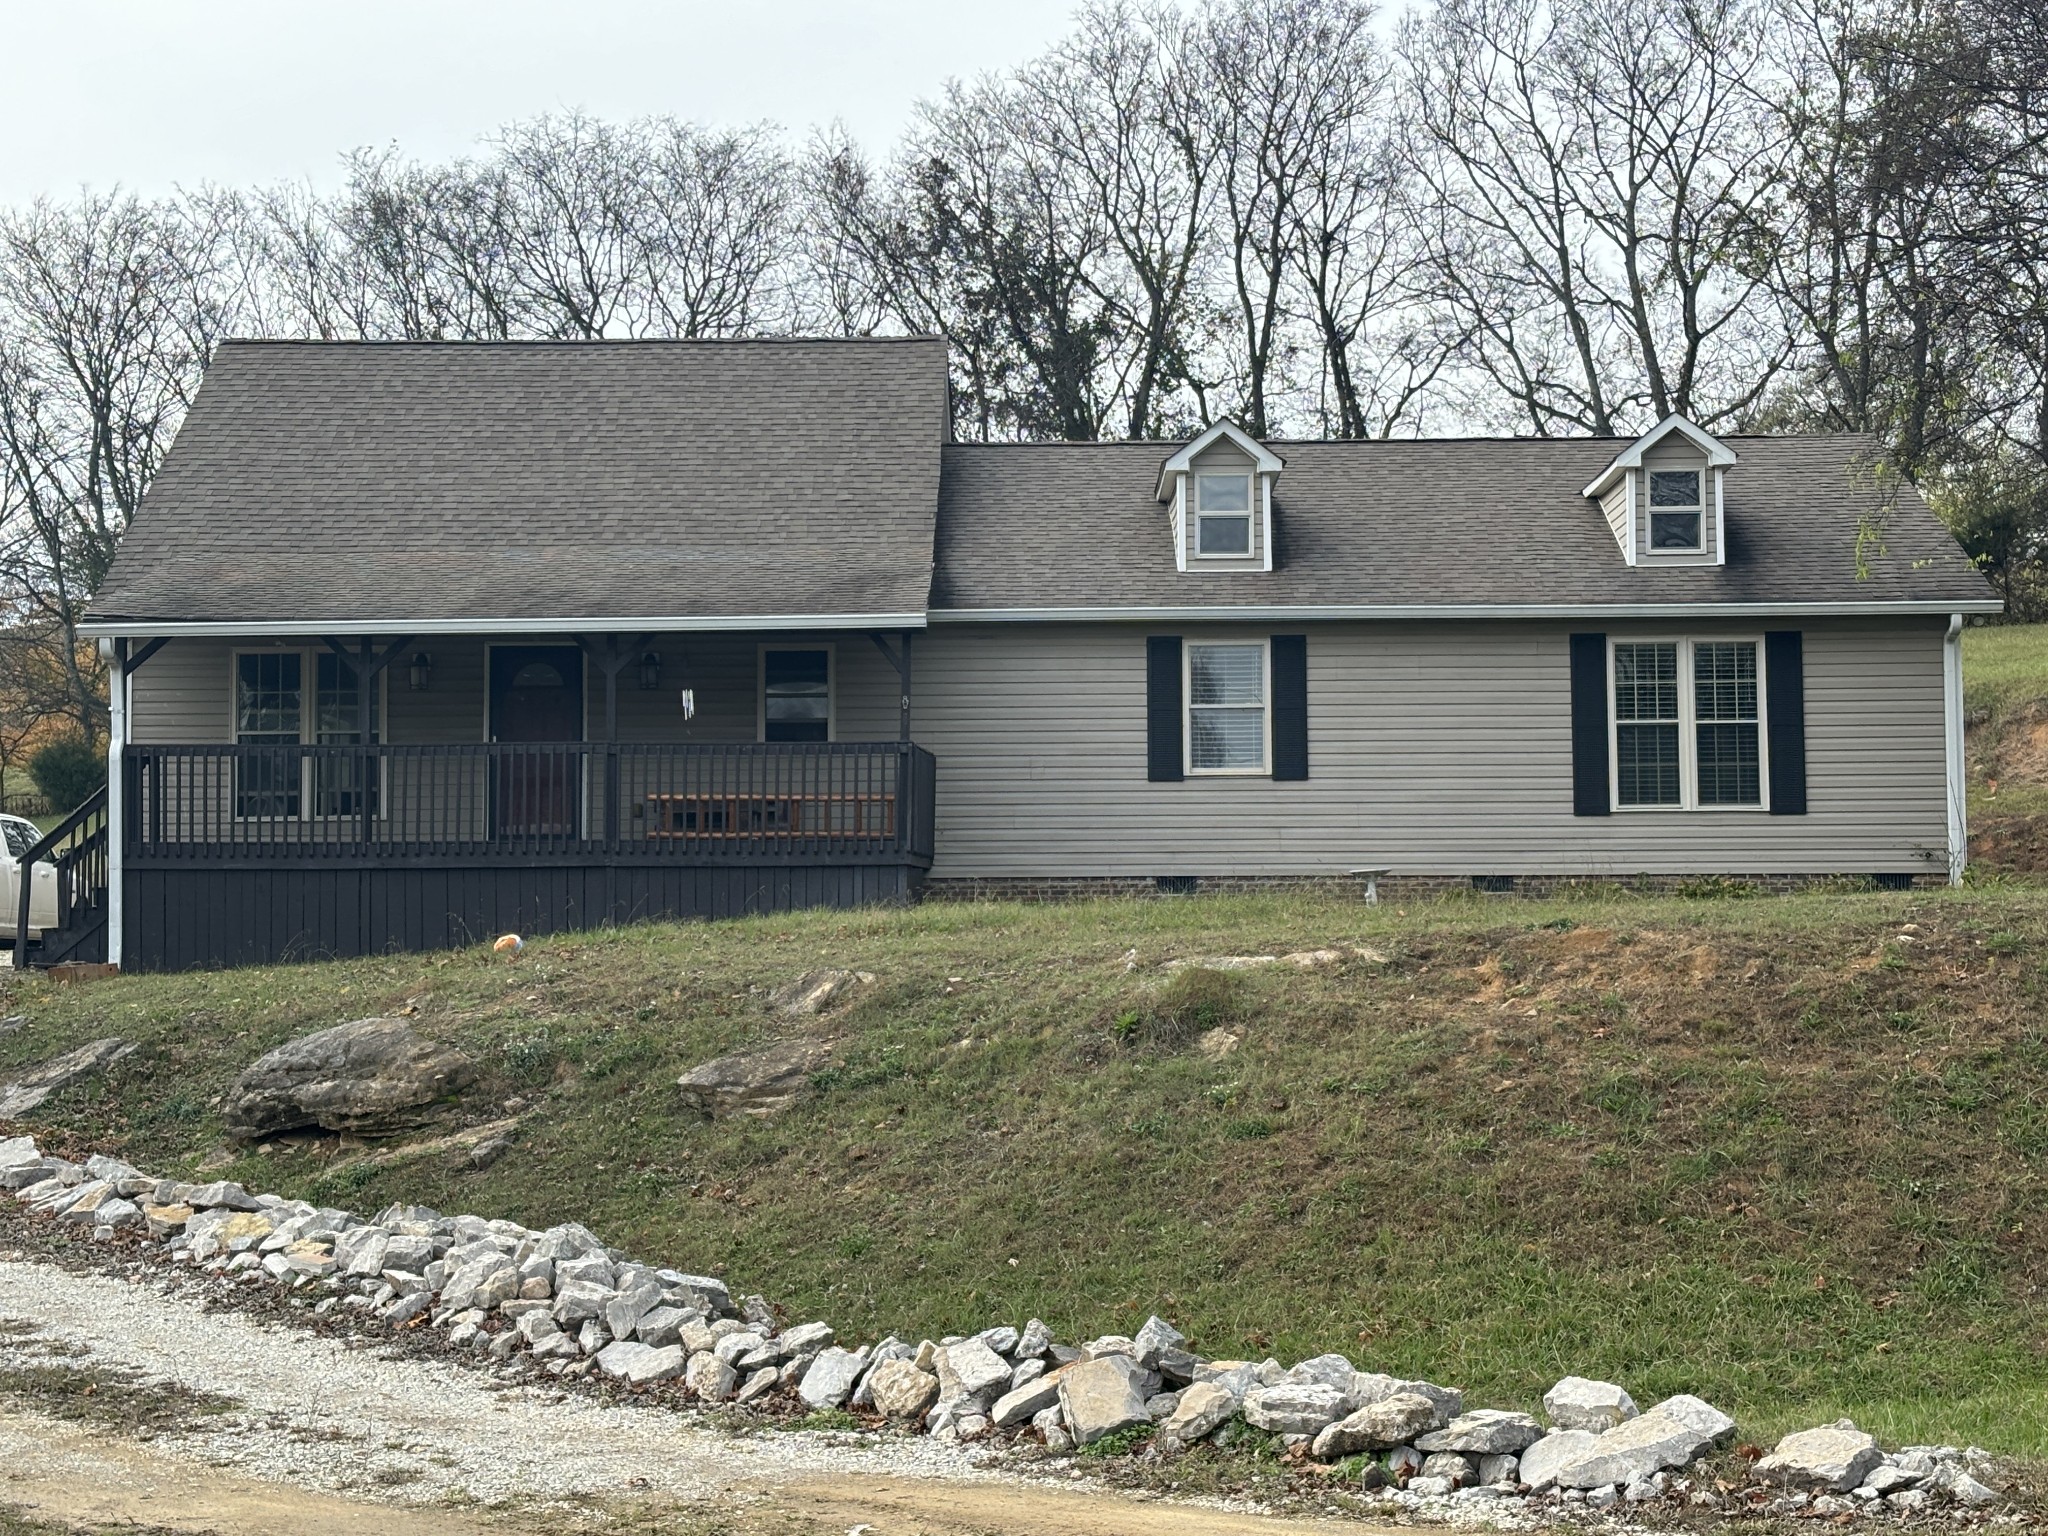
114, 628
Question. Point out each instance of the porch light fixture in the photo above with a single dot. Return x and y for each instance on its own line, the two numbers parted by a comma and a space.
416, 673
650, 671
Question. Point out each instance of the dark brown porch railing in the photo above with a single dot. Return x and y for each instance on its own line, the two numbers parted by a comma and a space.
776, 802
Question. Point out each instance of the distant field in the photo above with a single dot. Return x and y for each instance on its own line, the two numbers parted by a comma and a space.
1788, 1153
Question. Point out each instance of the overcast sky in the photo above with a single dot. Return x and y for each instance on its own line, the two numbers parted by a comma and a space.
154, 93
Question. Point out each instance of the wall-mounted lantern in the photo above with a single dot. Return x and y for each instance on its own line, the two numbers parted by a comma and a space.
416, 674
650, 671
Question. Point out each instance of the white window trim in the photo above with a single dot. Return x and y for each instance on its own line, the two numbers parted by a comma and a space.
309, 688
831, 684
1697, 507
1250, 514
1688, 732
1188, 707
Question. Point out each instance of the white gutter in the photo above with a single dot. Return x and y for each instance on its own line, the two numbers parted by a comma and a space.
262, 628
1958, 782
1267, 613
117, 739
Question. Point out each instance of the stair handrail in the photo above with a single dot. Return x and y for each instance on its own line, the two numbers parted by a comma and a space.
55, 838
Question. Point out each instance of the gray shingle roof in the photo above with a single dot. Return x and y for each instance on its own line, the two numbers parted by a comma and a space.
1495, 522
384, 483
544, 480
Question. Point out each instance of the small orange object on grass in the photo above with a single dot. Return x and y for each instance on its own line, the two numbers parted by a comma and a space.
510, 945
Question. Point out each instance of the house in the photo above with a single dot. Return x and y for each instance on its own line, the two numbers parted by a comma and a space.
418, 643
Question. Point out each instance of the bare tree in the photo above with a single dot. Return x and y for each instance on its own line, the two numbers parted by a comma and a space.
108, 311
1597, 176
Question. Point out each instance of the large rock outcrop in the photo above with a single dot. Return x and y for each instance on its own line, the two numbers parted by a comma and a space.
370, 1076
757, 1082
35, 1084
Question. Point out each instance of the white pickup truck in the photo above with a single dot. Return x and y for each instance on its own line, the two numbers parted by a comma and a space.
19, 834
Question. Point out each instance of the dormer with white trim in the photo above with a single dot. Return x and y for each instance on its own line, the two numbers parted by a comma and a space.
1220, 489
1663, 496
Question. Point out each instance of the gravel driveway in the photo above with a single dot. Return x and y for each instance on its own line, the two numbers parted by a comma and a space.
353, 1424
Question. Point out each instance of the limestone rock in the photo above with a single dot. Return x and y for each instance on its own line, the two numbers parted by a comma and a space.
1204, 1408
1542, 1461
36, 1083
831, 1378
638, 1363
1576, 1403
1330, 1370
709, 1377
1156, 1340
1379, 1426
1497, 1470
1484, 1432
1294, 1408
370, 1076
1368, 1387
759, 1082
1672, 1434
1832, 1459
974, 1368
1453, 1468
815, 991
1712, 1425
1027, 1399
1099, 1397
901, 1391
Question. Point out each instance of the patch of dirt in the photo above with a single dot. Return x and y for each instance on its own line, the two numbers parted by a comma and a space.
2015, 844
2018, 753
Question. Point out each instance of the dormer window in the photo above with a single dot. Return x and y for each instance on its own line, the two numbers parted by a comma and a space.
1223, 515
1663, 496
1677, 514
1219, 489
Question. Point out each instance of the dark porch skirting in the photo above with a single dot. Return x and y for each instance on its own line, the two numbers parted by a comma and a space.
201, 917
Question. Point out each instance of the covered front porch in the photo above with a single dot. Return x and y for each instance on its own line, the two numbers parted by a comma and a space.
280, 797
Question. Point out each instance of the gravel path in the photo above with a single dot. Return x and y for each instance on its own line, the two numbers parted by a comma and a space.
318, 1413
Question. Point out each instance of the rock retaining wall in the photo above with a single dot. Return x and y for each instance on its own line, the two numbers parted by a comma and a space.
560, 1303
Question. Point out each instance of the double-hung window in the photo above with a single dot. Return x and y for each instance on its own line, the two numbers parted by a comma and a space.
1687, 724
1227, 696
338, 780
1678, 516
271, 710
1223, 514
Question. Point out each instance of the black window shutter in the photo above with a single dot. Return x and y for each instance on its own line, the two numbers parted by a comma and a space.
1162, 709
1589, 726
1290, 706
1785, 696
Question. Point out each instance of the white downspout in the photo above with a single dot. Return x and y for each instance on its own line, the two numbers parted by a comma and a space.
1958, 783
117, 739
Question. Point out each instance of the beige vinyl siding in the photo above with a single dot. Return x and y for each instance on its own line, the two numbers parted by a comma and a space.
1433, 749
1615, 505
1674, 453
185, 693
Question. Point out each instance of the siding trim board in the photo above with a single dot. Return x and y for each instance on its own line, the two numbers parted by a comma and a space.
1271, 613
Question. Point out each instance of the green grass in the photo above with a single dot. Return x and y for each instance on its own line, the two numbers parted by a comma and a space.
1767, 1150
2005, 669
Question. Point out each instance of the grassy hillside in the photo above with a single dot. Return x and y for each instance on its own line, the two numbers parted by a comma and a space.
1788, 1153
2005, 701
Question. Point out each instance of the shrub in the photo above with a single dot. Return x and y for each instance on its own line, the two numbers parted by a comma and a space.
67, 771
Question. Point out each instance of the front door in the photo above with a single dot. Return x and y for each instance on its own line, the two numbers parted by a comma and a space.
537, 697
